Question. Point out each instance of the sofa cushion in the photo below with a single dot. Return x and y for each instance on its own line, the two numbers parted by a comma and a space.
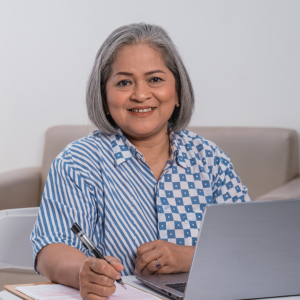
291, 190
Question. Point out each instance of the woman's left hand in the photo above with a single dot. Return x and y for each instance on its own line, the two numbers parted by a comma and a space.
173, 258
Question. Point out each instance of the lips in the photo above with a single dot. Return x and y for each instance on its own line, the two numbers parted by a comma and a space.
142, 109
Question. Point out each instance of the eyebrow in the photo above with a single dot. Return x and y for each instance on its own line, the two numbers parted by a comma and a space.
131, 74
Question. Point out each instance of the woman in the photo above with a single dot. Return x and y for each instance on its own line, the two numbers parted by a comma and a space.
138, 185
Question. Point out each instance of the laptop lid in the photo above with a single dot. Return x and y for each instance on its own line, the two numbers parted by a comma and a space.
247, 250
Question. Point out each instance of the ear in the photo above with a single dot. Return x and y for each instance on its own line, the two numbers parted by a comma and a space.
106, 108
177, 101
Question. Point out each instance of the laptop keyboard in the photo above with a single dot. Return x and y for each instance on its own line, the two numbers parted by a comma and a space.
178, 286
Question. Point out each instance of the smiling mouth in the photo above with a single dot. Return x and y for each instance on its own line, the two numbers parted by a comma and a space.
142, 110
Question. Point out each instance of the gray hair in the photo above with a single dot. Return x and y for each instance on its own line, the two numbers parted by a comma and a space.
157, 38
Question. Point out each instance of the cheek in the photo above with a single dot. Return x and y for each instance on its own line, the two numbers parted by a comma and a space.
115, 99
166, 95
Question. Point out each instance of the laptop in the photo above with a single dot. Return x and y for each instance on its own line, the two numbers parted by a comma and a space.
244, 251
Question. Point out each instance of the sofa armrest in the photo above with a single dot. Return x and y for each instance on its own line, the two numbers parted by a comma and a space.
20, 188
290, 190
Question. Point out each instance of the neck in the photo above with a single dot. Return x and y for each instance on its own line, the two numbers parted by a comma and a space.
154, 145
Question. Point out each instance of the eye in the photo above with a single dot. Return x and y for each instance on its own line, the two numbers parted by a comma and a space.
123, 83
156, 80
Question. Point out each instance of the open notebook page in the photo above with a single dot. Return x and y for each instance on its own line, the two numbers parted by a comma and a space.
61, 292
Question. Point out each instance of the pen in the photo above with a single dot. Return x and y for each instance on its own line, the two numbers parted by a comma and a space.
88, 244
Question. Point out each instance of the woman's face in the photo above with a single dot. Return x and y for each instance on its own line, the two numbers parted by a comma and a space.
140, 91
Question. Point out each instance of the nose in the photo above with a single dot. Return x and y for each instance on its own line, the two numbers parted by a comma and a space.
141, 92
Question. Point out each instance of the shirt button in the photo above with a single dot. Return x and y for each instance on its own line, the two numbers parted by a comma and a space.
138, 156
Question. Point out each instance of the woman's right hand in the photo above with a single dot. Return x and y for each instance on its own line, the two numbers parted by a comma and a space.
97, 277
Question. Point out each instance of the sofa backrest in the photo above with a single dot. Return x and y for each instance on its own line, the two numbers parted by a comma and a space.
264, 158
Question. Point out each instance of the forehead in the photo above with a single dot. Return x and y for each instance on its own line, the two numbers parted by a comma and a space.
137, 57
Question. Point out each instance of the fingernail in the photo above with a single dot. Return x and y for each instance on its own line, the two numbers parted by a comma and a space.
117, 277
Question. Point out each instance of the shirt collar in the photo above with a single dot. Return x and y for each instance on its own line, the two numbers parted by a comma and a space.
124, 150
176, 154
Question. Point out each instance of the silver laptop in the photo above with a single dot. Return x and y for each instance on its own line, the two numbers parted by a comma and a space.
244, 251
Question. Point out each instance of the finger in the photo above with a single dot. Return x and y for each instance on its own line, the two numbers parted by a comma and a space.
112, 259
102, 267
152, 268
102, 280
115, 262
145, 248
145, 259
103, 291
90, 289
163, 270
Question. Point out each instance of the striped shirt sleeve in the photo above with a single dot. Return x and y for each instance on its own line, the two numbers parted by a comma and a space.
67, 198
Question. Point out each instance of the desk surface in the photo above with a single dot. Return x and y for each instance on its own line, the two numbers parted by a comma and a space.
4, 295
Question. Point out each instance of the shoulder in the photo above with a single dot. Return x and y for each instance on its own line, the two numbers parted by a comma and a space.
85, 154
204, 150
83, 146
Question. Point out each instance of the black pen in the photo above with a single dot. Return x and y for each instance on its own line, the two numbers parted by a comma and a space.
88, 244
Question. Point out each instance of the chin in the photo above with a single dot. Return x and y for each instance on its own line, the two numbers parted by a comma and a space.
142, 132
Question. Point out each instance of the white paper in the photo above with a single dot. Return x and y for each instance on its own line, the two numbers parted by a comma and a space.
130, 293
49, 292
58, 291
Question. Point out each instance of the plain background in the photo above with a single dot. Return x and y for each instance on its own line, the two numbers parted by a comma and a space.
243, 58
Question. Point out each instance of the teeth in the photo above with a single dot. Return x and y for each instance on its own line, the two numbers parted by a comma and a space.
143, 110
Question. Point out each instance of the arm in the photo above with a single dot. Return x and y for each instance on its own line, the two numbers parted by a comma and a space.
58, 254
61, 263
227, 186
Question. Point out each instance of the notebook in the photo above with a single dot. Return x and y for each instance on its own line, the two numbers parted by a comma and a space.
47, 291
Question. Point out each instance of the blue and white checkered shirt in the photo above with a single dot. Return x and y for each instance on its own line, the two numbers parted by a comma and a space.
103, 183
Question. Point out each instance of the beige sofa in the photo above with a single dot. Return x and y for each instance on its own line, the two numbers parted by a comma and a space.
267, 160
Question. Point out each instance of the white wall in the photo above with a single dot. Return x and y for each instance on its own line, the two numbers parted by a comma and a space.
243, 57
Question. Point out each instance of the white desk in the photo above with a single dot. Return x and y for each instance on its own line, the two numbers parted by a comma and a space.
4, 295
